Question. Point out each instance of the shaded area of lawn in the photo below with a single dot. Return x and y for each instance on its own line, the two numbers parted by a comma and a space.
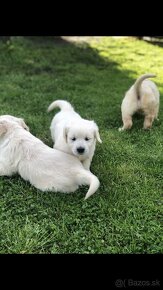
124, 216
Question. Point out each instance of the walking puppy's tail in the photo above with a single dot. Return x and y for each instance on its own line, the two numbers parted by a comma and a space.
63, 105
139, 81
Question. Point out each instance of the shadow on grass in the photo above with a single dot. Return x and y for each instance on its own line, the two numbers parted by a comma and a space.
158, 41
89, 71
90, 74
44, 40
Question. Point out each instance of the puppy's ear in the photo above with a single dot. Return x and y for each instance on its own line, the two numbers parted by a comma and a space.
97, 135
65, 132
23, 124
3, 127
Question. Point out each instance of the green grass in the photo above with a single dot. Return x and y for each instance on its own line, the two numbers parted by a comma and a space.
124, 216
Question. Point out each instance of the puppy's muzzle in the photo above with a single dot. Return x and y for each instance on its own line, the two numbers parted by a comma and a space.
80, 150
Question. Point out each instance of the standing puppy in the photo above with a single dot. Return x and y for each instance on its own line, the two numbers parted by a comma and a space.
73, 134
142, 97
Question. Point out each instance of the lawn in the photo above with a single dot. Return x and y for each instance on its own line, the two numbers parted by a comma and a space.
124, 215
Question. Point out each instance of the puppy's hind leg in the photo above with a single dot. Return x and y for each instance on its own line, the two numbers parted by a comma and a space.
156, 113
87, 178
127, 123
148, 120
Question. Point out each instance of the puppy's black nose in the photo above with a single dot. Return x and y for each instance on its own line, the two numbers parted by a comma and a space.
80, 150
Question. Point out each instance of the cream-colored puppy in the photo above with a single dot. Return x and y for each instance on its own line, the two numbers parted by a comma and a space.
142, 97
73, 134
45, 168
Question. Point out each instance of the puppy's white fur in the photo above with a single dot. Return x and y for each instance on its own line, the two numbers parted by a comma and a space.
142, 97
73, 134
45, 168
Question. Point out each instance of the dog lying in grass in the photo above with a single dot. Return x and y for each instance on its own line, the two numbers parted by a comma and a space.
73, 134
142, 97
45, 168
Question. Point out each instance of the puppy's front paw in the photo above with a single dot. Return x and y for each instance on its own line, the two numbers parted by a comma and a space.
121, 129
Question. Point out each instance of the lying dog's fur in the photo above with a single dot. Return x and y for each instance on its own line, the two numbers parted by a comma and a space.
45, 168
142, 97
73, 134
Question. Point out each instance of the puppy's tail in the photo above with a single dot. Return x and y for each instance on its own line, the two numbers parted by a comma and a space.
140, 80
63, 105
89, 179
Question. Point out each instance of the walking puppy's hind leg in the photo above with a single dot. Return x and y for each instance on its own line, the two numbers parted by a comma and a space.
127, 123
156, 114
148, 120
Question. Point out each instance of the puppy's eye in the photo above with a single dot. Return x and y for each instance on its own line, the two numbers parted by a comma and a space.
73, 139
86, 139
